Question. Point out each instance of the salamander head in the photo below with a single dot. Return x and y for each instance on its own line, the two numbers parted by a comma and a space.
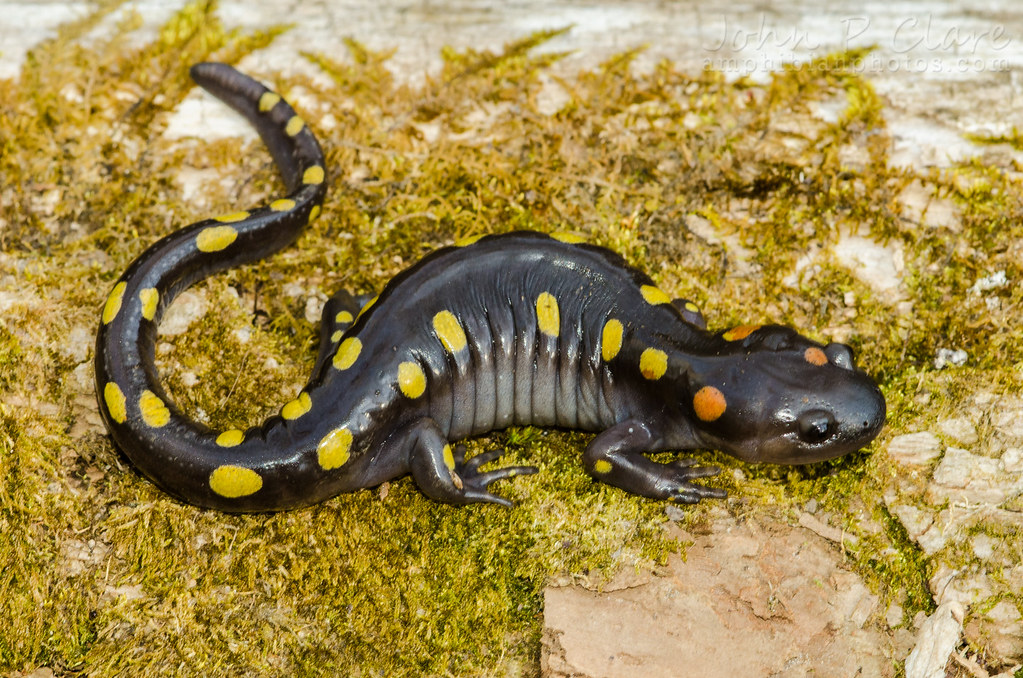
772, 395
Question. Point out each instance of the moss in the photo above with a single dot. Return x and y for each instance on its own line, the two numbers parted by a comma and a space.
1013, 138
104, 574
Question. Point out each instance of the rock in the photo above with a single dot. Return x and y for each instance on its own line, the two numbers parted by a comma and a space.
41, 672
314, 308
874, 264
832, 534
123, 593
983, 546
919, 523
990, 282
893, 617
79, 556
914, 449
776, 597
969, 588
944, 357
999, 631
1012, 460
936, 641
921, 207
186, 309
77, 343
962, 476
1009, 422
959, 429
933, 538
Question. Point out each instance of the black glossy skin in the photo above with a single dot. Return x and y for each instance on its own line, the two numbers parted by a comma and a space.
464, 342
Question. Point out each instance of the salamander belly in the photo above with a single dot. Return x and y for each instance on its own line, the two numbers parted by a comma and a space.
508, 342
512, 371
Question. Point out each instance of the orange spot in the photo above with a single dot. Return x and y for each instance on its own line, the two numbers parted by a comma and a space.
815, 356
709, 403
740, 332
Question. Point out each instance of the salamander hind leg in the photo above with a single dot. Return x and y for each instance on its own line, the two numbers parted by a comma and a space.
690, 312
338, 315
442, 472
617, 457
340, 310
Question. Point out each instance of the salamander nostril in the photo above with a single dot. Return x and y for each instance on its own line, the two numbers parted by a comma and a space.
816, 426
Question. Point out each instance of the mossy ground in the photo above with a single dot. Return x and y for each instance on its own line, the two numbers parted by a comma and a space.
102, 574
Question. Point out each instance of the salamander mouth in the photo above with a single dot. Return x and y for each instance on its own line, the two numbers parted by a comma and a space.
819, 436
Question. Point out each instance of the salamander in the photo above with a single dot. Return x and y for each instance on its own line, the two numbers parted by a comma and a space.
521, 328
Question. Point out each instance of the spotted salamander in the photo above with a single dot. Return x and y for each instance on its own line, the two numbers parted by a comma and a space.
501, 330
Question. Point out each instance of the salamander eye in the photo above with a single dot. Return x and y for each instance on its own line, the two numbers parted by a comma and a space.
779, 339
816, 426
839, 354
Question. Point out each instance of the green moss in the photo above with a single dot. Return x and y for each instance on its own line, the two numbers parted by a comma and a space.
1013, 138
104, 574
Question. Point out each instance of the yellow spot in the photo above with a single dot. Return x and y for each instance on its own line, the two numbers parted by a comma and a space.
113, 304
234, 481
150, 298
369, 305
313, 213
297, 407
294, 126
411, 380
692, 308
468, 240
313, 175
566, 237
815, 356
215, 238
233, 217
335, 449
449, 458
602, 466
282, 205
653, 363
740, 332
230, 438
347, 353
547, 316
450, 333
654, 295
709, 403
611, 339
336, 337
154, 412
114, 398
268, 101
343, 318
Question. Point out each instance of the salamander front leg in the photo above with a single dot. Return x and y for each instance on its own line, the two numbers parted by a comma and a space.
616, 457
443, 473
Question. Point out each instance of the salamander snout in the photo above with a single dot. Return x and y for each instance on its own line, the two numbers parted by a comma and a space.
844, 412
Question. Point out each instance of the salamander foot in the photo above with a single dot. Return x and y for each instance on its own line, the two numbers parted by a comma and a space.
617, 457
476, 484
443, 473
